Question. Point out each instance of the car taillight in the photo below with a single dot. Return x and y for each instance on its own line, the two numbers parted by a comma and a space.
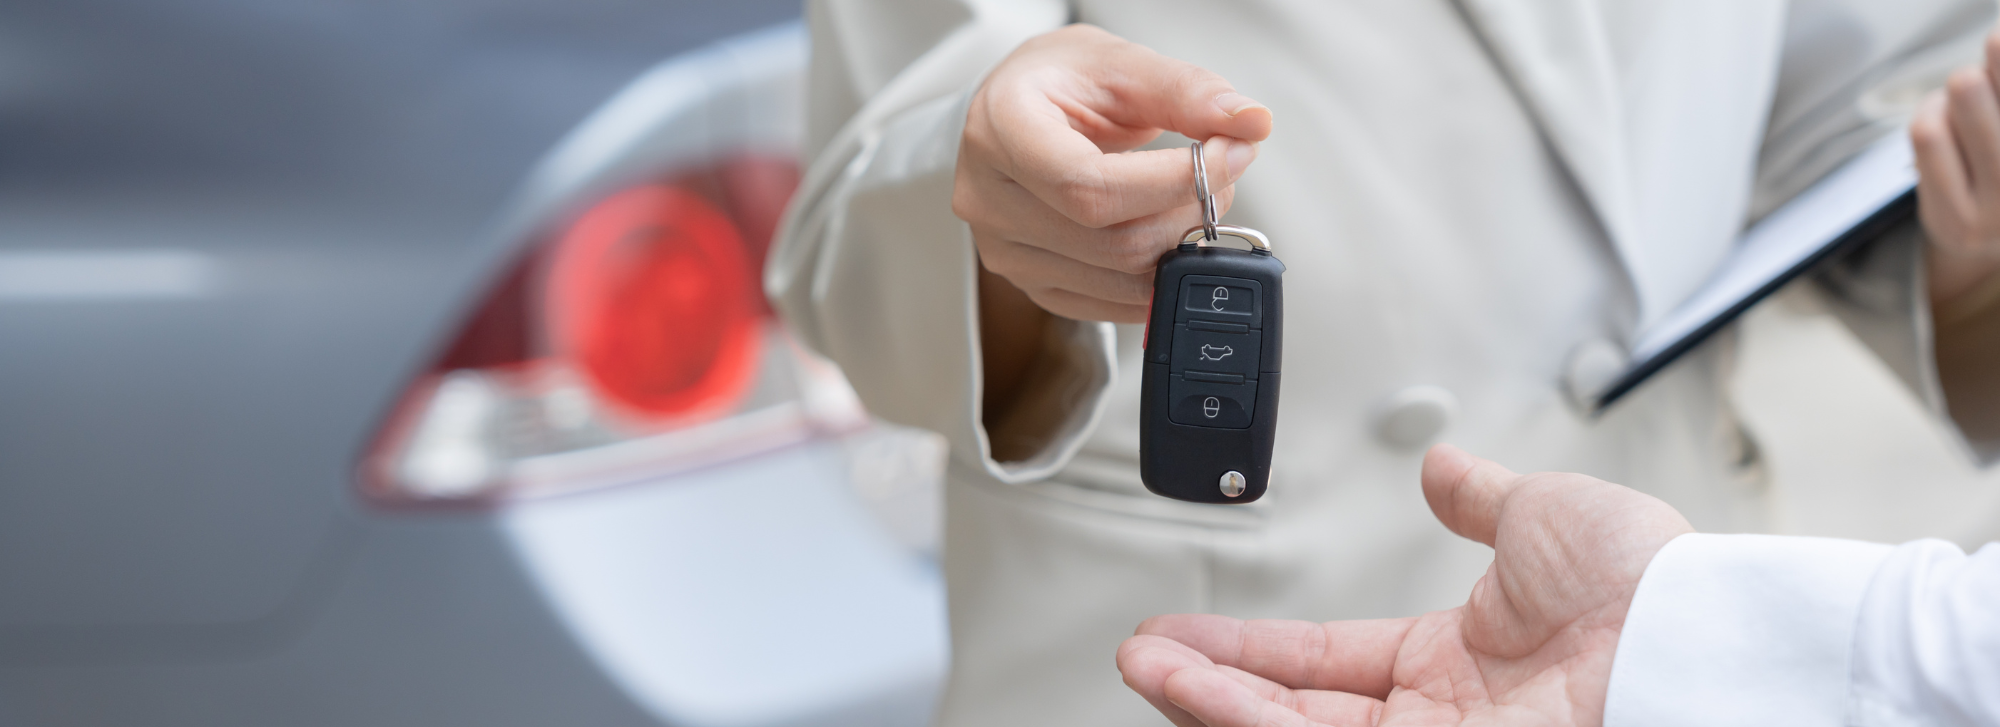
633, 343
651, 297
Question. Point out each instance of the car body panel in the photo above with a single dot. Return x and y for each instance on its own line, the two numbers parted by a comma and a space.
436, 621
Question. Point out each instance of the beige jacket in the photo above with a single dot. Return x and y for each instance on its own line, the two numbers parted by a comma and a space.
1478, 202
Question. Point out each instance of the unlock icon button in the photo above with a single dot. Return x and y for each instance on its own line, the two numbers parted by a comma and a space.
1216, 298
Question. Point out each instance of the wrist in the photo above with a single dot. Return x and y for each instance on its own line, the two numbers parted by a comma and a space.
1960, 284
1011, 332
1966, 301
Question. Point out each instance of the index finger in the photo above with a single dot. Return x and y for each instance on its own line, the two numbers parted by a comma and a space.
1150, 662
1358, 657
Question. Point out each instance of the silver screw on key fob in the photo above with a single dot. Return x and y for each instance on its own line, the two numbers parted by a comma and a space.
1209, 409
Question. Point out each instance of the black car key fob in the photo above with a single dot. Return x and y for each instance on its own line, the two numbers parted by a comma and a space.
1208, 412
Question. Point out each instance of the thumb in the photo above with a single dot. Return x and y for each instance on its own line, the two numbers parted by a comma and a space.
1466, 492
1055, 114
1150, 90
1164, 93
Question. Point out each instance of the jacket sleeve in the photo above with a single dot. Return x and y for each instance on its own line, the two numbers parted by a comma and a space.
1853, 71
871, 268
1759, 629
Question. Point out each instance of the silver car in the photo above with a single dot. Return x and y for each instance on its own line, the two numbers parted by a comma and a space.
406, 364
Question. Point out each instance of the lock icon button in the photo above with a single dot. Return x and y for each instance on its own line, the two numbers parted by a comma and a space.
1212, 404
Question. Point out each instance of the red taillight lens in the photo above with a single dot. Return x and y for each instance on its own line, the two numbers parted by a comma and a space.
633, 343
651, 294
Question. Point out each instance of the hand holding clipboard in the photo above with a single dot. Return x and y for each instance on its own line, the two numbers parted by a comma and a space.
1856, 203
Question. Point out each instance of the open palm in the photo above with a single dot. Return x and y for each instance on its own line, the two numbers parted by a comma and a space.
1532, 646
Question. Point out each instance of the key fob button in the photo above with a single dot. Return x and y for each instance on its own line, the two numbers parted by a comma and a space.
1219, 298
1204, 404
1226, 353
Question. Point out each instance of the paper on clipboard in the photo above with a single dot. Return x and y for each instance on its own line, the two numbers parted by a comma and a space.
1852, 204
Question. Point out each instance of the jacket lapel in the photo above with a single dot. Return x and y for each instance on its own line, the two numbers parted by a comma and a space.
1558, 54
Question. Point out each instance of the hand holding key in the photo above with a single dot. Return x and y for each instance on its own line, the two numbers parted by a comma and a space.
1056, 209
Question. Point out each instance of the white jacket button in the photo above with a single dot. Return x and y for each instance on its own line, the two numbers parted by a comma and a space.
1593, 366
1415, 416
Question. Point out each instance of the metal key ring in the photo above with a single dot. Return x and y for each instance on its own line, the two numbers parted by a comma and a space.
1256, 239
1208, 216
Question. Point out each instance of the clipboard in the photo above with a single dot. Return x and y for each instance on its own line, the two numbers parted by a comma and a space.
1854, 204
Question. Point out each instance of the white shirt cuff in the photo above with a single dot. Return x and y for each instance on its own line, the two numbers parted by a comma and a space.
1741, 630
1927, 642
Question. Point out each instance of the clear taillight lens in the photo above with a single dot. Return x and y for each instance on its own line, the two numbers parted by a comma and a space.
632, 344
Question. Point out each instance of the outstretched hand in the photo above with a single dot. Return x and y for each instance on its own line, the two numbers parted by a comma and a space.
1532, 646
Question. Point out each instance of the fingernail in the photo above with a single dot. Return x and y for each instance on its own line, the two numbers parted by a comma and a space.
1234, 103
1240, 155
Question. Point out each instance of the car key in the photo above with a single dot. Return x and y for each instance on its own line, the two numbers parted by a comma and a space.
1209, 408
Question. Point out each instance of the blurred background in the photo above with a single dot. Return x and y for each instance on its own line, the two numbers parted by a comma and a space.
405, 363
